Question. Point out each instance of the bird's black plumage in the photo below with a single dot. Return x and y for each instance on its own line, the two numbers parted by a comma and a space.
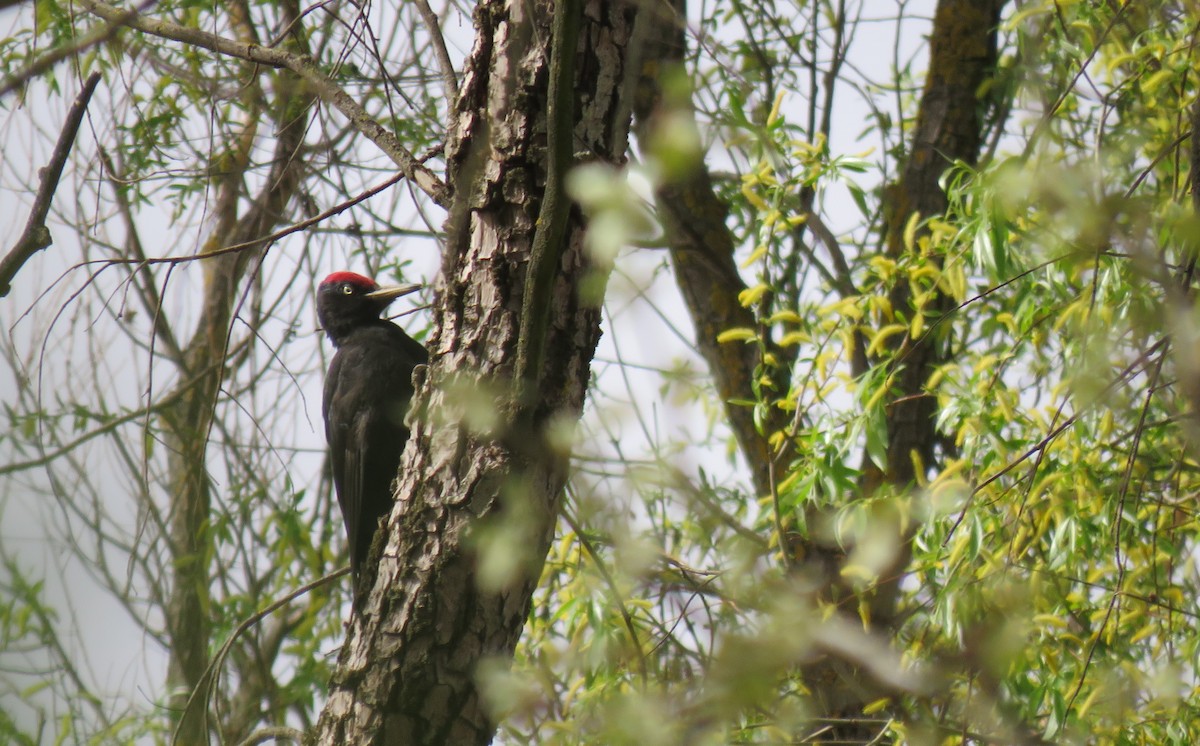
367, 393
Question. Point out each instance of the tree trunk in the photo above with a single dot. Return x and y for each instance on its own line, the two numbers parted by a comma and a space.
188, 423
949, 127
477, 457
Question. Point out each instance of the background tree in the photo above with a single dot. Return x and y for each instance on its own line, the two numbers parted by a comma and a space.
942, 381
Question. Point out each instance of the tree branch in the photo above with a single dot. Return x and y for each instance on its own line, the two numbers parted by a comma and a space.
449, 81
702, 249
547, 249
36, 235
303, 66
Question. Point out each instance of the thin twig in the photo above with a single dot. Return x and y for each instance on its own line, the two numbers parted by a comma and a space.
207, 683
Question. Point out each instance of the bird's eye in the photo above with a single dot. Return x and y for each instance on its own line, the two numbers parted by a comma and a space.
347, 289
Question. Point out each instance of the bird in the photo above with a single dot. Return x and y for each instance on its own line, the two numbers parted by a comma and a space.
367, 393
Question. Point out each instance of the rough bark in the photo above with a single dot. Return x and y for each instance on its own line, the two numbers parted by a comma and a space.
407, 670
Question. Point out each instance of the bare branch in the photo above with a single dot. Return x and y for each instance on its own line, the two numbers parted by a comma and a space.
36, 235
449, 81
307, 69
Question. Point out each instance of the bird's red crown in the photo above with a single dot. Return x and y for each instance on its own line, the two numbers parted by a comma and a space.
366, 283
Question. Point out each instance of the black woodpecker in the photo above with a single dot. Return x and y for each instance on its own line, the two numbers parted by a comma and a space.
367, 393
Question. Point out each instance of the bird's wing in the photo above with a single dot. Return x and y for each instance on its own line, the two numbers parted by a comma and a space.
335, 434
414, 352
346, 461
354, 493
